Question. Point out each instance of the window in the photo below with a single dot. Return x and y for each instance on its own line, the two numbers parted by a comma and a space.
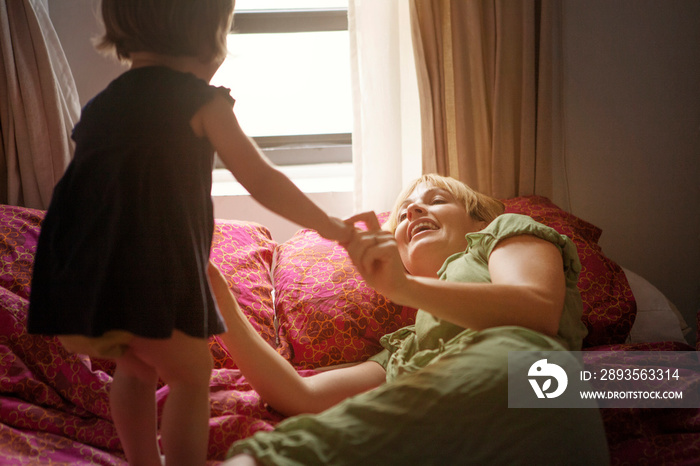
288, 69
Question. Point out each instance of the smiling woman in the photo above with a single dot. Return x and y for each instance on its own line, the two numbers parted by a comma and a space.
486, 283
432, 218
422, 210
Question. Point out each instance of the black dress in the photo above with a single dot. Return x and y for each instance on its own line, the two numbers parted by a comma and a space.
126, 239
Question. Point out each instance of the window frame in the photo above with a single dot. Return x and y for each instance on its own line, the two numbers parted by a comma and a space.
306, 148
293, 20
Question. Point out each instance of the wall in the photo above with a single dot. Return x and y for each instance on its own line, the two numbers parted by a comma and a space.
632, 135
76, 24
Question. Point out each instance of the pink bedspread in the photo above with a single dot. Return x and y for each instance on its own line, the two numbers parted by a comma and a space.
54, 406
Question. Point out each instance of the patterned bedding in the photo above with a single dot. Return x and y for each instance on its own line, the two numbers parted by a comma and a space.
307, 301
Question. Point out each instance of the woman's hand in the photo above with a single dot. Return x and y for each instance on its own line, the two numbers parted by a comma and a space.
376, 256
219, 287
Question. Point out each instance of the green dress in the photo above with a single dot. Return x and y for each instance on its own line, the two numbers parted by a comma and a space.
446, 396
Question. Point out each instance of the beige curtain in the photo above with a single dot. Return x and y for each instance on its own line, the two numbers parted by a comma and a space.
38, 104
488, 84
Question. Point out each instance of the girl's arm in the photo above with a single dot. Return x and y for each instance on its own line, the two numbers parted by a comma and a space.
264, 182
273, 377
527, 284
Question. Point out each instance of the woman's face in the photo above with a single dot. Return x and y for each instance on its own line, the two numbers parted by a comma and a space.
432, 226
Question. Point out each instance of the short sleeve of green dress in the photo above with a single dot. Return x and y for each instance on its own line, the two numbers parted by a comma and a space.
446, 396
413, 347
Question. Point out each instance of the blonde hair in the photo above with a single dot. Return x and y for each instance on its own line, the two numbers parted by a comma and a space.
194, 28
479, 206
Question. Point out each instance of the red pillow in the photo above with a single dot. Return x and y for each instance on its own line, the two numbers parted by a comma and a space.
327, 314
609, 307
243, 251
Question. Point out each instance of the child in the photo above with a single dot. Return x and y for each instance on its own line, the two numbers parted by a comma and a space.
121, 265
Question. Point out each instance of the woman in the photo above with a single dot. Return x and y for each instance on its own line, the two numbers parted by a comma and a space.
486, 284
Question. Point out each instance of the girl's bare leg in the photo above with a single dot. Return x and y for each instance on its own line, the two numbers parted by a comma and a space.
185, 364
133, 406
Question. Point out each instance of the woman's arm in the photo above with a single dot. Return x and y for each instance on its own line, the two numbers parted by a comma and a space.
527, 284
273, 377
527, 289
264, 182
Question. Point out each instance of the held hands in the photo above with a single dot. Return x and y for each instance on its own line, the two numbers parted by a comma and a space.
376, 256
339, 231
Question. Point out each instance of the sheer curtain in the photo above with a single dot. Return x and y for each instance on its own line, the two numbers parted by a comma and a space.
386, 133
488, 79
38, 104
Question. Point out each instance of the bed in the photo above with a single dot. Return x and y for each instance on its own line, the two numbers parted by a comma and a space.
306, 299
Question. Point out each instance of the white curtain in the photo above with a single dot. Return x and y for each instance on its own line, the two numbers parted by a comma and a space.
386, 132
38, 104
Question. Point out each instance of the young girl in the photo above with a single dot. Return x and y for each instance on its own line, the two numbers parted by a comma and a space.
121, 266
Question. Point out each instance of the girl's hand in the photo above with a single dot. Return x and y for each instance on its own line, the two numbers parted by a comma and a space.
339, 231
376, 256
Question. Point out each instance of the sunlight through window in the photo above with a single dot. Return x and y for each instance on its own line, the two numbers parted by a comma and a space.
289, 83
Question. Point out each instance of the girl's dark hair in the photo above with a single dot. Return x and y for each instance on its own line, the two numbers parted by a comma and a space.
196, 28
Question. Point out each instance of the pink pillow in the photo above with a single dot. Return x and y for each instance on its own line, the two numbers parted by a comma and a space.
327, 314
243, 252
609, 307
